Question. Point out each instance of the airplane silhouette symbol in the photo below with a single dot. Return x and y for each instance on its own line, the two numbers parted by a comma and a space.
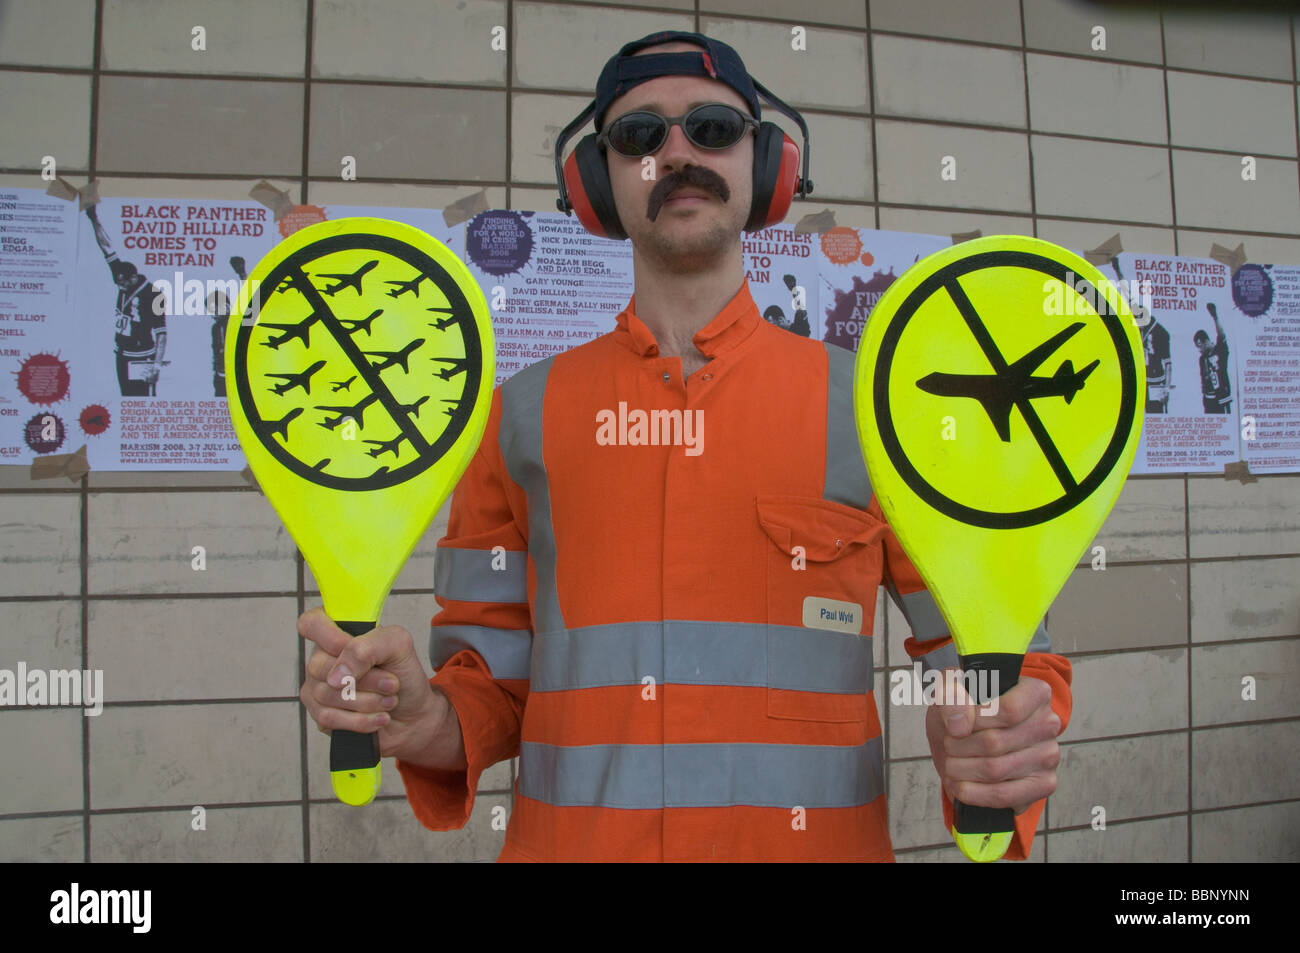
442, 324
458, 365
413, 409
342, 281
451, 411
301, 379
363, 324
336, 386
294, 282
281, 426
404, 286
322, 465
300, 330
386, 446
356, 411
998, 393
394, 357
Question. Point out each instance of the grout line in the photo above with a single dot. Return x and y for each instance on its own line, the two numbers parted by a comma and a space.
1029, 126
1187, 529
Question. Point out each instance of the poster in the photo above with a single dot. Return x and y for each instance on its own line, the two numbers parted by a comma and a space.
1190, 348
857, 265
1268, 297
550, 284
38, 409
154, 284
782, 269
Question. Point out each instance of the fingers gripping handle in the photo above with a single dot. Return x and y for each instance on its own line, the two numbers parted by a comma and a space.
983, 834
354, 757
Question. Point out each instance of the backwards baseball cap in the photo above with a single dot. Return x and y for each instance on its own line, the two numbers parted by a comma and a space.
716, 60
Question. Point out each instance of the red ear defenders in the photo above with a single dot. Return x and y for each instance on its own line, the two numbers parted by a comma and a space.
585, 189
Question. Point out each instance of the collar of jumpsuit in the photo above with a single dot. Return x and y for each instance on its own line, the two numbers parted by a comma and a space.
728, 330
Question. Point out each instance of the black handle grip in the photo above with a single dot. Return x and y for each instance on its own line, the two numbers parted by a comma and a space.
1005, 666
354, 750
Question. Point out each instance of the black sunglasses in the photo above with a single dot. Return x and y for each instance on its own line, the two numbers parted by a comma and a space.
711, 126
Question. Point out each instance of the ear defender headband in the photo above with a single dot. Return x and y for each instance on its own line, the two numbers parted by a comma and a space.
583, 178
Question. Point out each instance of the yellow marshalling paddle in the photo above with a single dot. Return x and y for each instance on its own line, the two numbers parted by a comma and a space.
999, 399
362, 362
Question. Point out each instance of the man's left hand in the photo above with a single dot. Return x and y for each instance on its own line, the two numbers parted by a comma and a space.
1007, 759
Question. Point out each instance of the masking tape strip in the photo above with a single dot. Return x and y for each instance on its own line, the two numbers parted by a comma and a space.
72, 465
462, 210
1106, 252
1234, 258
959, 237
277, 200
816, 223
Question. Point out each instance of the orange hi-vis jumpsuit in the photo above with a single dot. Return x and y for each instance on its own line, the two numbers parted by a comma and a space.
674, 630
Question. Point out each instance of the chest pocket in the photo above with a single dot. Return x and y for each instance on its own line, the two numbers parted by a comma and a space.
823, 567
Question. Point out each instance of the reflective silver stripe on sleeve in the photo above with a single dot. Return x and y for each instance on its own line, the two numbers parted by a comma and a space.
943, 657
846, 472
651, 777
467, 575
921, 612
702, 653
506, 651
523, 401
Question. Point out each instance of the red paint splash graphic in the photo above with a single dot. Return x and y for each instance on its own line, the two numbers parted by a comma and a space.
95, 419
44, 379
300, 217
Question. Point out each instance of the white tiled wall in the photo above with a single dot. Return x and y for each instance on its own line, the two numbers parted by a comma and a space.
1073, 123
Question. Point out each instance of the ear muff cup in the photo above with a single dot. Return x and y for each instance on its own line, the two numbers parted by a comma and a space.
586, 177
776, 173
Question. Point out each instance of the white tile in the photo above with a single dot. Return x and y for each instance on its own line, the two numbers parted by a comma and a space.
915, 804
1095, 98
536, 121
1243, 116
410, 40
1255, 519
42, 544
399, 194
387, 831
1101, 180
1244, 764
1083, 236
992, 21
1068, 27
1258, 248
841, 164
991, 168
845, 13
588, 36
799, 76
1146, 523
1221, 694
41, 749
1160, 841
1245, 599
145, 543
1128, 691
1120, 607
924, 79
1126, 777
229, 835
53, 113
1211, 192
1250, 43
151, 756
52, 33
159, 35
1248, 835
930, 222
177, 649
45, 635
51, 840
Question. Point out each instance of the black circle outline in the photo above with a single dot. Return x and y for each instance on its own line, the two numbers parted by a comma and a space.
889, 435
465, 322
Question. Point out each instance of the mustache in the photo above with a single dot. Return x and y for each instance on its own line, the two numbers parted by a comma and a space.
695, 176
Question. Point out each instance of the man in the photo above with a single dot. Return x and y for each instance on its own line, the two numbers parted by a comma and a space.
140, 321
1216, 389
1155, 344
645, 643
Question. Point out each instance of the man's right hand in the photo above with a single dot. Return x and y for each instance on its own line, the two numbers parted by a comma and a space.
392, 693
